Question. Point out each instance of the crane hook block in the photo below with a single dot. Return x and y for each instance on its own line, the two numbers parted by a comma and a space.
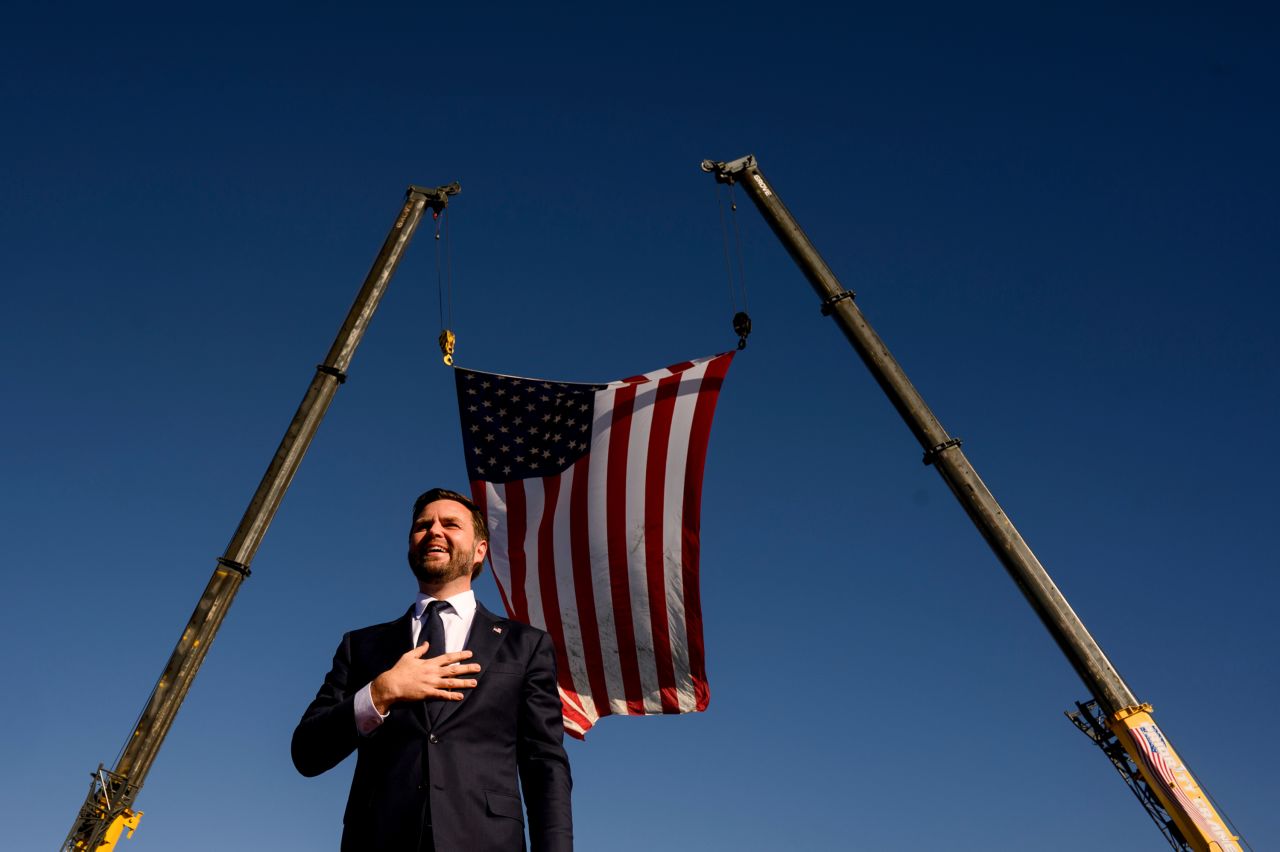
447, 341
742, 328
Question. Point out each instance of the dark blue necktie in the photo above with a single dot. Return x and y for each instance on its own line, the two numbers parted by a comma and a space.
432, 630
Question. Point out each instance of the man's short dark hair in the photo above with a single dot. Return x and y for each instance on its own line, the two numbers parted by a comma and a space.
477, 517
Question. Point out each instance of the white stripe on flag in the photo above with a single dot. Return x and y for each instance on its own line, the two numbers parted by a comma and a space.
533, 509
637, 564
499, 548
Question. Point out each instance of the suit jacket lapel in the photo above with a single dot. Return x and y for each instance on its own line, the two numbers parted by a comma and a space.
397, 639
488, 632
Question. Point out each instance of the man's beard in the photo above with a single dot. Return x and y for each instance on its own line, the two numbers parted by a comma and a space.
459, 565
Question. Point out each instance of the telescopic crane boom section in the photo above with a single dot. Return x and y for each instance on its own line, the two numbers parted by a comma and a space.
108, 811
1117, 722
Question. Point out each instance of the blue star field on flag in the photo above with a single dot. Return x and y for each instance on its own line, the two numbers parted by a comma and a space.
515, 428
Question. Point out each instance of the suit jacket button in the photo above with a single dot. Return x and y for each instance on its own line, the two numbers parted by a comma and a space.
433, 739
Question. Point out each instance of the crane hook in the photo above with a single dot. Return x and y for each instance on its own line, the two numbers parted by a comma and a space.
447, 341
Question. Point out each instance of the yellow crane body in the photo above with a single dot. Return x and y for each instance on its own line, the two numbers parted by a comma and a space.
1172, 782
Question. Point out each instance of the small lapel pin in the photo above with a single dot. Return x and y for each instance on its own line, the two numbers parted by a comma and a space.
497, 629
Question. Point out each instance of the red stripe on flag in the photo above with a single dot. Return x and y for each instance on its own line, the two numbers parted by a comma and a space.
664, 406
583, 587
616, 525
699, 436
581, 724
516, 525
648, 377
547, 579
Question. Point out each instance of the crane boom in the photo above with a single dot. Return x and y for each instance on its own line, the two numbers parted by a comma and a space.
108, 807
1196, 824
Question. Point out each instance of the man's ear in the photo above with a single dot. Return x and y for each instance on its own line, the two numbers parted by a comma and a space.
482, 550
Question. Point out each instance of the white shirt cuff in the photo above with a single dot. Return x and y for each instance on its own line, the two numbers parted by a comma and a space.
367, 716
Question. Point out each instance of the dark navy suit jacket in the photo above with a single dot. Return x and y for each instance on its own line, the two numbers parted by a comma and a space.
459, 771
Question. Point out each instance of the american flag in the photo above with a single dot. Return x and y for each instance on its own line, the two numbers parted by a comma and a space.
593, 497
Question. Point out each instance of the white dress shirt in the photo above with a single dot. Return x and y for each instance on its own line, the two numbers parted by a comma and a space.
457, 618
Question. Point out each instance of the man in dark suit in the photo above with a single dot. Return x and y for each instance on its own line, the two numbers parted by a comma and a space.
440, 738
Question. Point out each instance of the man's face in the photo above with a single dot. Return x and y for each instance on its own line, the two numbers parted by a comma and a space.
442, 543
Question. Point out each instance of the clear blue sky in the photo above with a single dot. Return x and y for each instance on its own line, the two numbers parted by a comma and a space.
1064, 224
